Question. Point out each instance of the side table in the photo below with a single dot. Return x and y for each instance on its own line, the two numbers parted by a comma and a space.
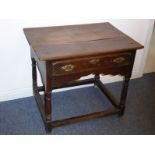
63, 54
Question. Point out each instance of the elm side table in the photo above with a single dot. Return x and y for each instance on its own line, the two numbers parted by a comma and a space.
63, 54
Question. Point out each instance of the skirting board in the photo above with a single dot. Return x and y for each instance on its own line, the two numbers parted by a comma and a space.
27, 92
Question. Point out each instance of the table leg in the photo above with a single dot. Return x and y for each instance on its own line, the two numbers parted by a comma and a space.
48, 111
124, 94
45, 108
97, 77
34, 75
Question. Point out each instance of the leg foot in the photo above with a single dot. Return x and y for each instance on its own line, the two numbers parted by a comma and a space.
48, 111
48, 127
121, 113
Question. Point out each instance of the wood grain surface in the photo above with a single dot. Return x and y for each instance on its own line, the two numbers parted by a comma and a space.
61, 42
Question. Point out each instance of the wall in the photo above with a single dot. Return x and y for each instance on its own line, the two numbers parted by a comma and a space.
150, 61
15, 64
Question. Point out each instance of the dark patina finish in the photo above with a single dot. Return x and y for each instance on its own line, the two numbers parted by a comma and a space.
63, 54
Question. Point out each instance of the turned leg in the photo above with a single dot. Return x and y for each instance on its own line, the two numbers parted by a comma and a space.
124, 94
48, 99
48, 110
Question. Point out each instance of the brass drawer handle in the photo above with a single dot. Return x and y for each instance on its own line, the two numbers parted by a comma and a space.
68, 68
94, 61
119, 60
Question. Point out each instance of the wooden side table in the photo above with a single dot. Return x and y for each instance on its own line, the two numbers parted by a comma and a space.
63, 54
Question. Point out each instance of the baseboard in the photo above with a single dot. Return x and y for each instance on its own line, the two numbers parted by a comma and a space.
27, 92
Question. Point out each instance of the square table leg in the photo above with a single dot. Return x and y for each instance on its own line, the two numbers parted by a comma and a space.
124, 93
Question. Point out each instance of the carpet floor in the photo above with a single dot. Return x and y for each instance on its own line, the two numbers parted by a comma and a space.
21, 116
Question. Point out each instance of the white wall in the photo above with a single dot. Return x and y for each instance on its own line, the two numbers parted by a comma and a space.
15, 64
150, 61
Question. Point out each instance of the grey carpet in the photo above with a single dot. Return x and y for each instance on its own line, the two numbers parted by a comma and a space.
21, 116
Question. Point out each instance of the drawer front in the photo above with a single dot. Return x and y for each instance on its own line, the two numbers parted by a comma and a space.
91, 63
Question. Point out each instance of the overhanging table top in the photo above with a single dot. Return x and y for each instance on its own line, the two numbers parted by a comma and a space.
60, 42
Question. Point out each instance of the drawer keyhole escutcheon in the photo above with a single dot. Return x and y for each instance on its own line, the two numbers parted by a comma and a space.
68, 68
119, 60
94, 61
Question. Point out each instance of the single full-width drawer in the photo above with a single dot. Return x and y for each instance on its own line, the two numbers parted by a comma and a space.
91, 63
